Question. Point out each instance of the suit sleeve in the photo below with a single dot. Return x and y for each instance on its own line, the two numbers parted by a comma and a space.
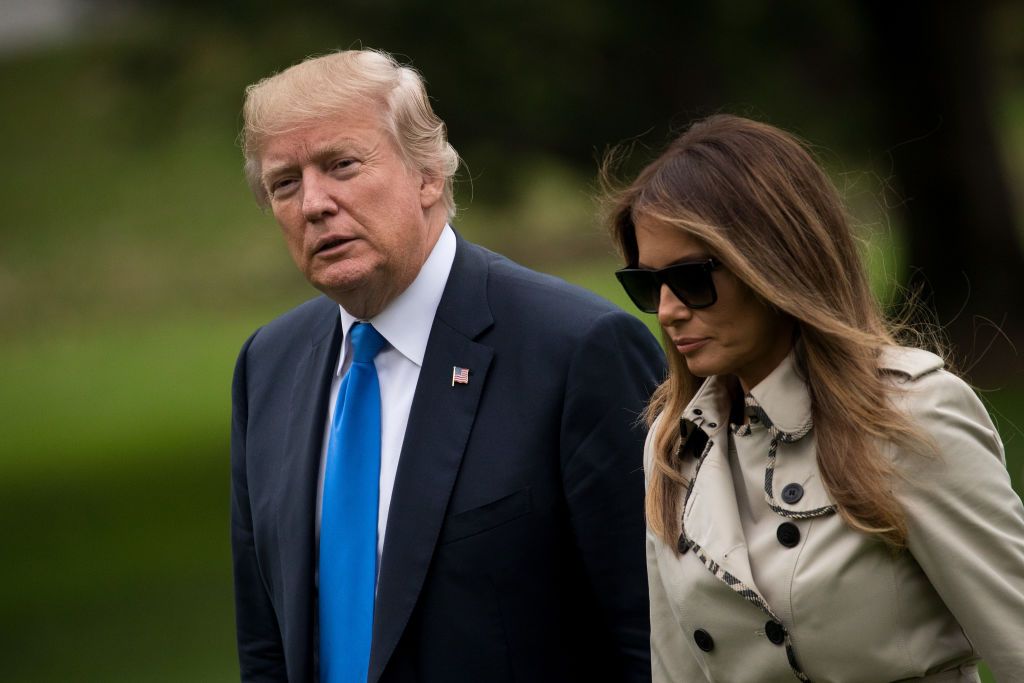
260, 649
610, 379
966, 523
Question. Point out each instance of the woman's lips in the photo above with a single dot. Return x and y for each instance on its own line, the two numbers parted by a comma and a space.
689, 344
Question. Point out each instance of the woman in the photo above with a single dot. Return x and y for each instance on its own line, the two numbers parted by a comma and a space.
822, 503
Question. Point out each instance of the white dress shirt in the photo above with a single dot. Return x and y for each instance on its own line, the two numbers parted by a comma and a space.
405, 325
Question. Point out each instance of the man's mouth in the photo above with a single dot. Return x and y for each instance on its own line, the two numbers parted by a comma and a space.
329, 244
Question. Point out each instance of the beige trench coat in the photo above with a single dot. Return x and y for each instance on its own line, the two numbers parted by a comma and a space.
844, 608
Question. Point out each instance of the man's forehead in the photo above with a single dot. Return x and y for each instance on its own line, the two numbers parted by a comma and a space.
314, 138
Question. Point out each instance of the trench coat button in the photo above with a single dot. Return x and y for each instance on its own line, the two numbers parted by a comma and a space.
775, 632
684, 544
704, 640
788, 534
698, 411
792, 493
712, 425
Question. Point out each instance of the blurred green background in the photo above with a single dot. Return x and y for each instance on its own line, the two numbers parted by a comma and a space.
134, 263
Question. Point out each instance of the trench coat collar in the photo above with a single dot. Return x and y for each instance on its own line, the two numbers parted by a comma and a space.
781, 403
782, 400
708, 410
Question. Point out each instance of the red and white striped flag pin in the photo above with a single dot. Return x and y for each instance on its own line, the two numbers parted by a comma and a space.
460, 375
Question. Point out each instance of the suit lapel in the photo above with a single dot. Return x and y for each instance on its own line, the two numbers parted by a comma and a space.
299, 474
440, 421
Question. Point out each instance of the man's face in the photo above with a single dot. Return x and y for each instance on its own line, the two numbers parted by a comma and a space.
357, 219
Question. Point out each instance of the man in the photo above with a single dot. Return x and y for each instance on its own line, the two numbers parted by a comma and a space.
436, 467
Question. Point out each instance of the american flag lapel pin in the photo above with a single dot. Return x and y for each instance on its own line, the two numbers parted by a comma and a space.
460, 375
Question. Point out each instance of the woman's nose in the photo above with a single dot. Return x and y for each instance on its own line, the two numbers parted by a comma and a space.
670, 308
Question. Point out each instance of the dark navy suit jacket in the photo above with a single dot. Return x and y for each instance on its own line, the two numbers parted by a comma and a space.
514, 548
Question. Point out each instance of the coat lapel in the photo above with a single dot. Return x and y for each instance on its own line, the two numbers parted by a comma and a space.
711, 518
299, 474
440, 421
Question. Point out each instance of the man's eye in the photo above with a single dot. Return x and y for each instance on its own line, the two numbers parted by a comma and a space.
343, 164
281, 185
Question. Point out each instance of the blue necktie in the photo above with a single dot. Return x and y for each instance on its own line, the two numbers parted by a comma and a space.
348, 522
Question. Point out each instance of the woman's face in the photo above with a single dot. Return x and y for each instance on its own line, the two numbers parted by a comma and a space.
737, 335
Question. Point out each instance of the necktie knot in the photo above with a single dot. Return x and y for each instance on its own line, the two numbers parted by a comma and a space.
366, 342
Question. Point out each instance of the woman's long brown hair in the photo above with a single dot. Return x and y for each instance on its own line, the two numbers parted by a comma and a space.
756, 197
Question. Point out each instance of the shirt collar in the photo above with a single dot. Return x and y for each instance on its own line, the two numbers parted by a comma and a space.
781, 399
405, 323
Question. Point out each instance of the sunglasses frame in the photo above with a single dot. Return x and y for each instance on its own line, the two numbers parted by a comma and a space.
661, 277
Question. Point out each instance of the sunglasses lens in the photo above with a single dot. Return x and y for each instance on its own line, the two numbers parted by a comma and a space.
642, 287
692, 283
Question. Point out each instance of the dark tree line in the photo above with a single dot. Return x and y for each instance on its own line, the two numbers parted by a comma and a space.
933, 72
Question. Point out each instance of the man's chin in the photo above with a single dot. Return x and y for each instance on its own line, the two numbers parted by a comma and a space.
341, 279
361, 297
343, 292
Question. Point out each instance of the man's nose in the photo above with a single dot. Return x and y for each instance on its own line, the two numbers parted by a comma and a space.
670, 308
317, 200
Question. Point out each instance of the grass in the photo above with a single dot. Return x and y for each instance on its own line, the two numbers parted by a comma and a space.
124, 575
114, 492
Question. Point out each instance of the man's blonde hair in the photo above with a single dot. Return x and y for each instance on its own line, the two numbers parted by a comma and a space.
320, 88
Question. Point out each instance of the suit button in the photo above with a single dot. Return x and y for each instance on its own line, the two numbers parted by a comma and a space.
775, 632
788, 534
684, 544
704, 640
792, 493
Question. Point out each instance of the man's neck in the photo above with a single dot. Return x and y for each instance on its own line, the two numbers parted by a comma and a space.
364, 304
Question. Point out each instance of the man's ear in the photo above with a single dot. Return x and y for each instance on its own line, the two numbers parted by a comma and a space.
431, 189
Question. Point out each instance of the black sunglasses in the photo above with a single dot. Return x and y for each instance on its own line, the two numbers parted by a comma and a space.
690, 282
